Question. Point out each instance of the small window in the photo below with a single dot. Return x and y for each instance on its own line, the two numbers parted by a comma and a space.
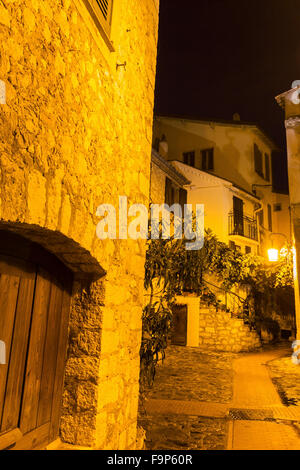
248, 250
169, 192
258, 161
232, 245
173, 194
207, 159
102, 11
189, 158
277, 207
269, 218
182, 198
267, 167
261, 218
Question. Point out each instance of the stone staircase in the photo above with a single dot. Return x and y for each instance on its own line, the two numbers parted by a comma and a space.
220, 331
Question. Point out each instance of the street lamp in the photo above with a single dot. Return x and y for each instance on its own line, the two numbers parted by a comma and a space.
273, 253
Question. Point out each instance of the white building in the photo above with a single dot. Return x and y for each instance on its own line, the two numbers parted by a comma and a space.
229, 165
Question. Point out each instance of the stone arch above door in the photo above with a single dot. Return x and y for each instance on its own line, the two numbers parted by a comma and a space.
79, 260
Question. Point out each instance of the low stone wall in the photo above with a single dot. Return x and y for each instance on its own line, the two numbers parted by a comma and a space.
220, 332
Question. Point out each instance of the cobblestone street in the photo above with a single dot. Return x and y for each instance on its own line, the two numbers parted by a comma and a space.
190, 386
215, 401
208, 376
286, 377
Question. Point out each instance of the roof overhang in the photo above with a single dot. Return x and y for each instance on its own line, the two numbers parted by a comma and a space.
287, 95
169, 169
217, 180
227, 123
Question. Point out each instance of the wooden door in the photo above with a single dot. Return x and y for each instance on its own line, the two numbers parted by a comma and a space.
34, 306
179, 333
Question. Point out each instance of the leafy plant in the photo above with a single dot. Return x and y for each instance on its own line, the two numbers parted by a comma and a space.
170, 270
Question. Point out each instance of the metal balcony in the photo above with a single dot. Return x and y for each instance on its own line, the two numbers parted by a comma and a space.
242, 225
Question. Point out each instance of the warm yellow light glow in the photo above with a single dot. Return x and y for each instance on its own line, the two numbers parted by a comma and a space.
283, 252
295, 273
273, 255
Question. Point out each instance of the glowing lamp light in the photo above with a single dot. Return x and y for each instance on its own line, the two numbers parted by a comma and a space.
273, 255
283, 252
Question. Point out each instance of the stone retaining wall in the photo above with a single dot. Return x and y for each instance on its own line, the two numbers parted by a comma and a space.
220, 332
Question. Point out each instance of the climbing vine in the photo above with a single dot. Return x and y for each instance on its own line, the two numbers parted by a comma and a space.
170, 269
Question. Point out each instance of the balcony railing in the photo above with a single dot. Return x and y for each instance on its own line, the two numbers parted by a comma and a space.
240, 224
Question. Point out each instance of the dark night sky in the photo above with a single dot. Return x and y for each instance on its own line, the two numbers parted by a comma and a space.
218, 57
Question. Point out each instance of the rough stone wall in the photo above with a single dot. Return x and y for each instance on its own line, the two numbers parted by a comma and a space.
290, 101
218, 331
158, 184
75, 133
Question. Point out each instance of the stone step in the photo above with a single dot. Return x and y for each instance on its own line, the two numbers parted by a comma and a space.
222, 331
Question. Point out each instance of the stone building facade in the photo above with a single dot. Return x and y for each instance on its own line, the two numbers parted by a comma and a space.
164, 177
76, 132
290, 102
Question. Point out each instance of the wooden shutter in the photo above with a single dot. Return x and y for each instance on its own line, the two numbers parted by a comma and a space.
182, 198
267, 165
258, 162
210, 159
261, 218
207, 159
238, 205
189, 158
204, 166
270, 217
102, 9
192, 158
169, 192
238, 216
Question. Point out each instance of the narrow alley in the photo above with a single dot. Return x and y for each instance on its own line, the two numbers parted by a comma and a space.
218, 401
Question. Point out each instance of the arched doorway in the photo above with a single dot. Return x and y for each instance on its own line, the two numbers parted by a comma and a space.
35, 290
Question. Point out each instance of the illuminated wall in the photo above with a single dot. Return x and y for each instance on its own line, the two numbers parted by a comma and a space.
75, 133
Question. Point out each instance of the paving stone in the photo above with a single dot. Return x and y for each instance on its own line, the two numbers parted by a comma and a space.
286, 378
192, 405
182, 432
192, 374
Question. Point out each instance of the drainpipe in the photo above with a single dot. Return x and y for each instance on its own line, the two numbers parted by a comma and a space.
290, 102
257, 221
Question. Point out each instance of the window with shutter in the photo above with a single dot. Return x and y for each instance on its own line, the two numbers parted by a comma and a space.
102, 11
189, 158
261, 218
258, 161
238, 216
169, 192
211, 159
182, 198
270, 218
207, 159
267, 165
277, 207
